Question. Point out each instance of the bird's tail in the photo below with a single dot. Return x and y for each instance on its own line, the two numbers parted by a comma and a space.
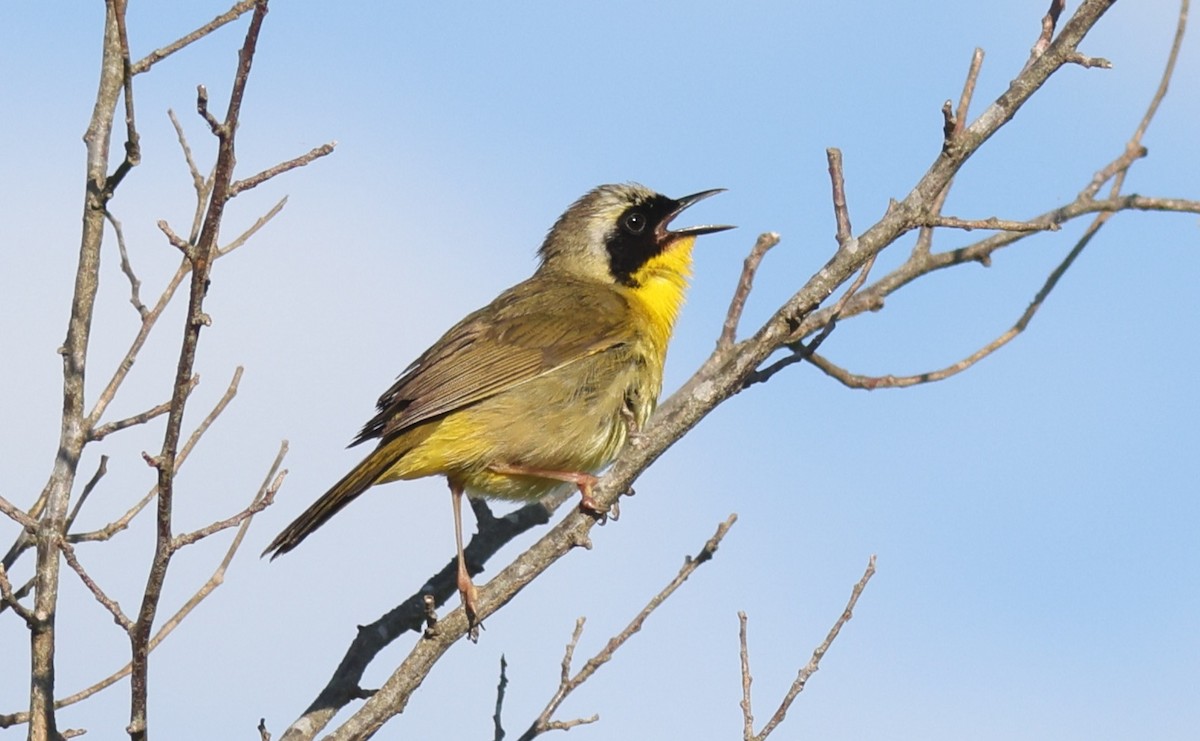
360, 478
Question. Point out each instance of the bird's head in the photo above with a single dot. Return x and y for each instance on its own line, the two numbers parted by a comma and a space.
621, 234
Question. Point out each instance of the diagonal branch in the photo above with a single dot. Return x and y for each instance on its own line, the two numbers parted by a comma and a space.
721, 376
261, 177
148, 61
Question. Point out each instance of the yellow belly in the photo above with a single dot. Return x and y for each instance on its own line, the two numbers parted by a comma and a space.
568, 420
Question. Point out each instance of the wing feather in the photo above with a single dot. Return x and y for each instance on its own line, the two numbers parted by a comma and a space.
531, 329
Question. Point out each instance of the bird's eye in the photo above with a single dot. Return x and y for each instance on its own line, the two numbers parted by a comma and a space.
634, 222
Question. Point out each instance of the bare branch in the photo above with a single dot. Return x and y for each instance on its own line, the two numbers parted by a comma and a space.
141, 418
814, 663
54, 501
215, 580
498, 727
176, 241
951, 125
16, 514
88, 488
198, 181
1165, 82
123, 521
109, 603
852, 380
127, 268
258, 224
1049, 22
214, 125
259, 178
724, 373
158, 55
968, 91
133, 149
412, 615
258, 505
991, 222
10, 601
747, 679
762, 245
200, 254
841, 212
568, 684
847, 243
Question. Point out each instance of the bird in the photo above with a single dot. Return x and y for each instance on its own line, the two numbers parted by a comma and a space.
541, 388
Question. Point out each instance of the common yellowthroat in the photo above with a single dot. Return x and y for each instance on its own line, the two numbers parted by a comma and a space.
539, 388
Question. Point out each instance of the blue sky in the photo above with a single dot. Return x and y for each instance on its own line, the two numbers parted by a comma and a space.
1035, 519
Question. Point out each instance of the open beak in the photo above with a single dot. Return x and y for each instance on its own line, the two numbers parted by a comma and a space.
690, 231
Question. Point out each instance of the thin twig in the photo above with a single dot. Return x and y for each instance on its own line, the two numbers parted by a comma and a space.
202, 108
88, 488
215, 580
10, 601
200, 254
109, 603
951, 125
567, 684
198, 180
747, 679
1116, 170
258, 224
127, 268
869, 383
814, 663
158, 55
133, 149
497, 725
1165, 80
141, 418
953, 222
950, 137
924, 243
737, 305
176, 241
872, 297
123, 521
18, 515
259, 178
1049, 23
841, 212
968, 91
846, 243
258, 505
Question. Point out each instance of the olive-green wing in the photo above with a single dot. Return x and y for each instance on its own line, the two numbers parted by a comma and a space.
531, 329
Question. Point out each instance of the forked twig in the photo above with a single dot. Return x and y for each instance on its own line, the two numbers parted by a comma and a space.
1115, 171
804, 674
567, 683
266, 491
